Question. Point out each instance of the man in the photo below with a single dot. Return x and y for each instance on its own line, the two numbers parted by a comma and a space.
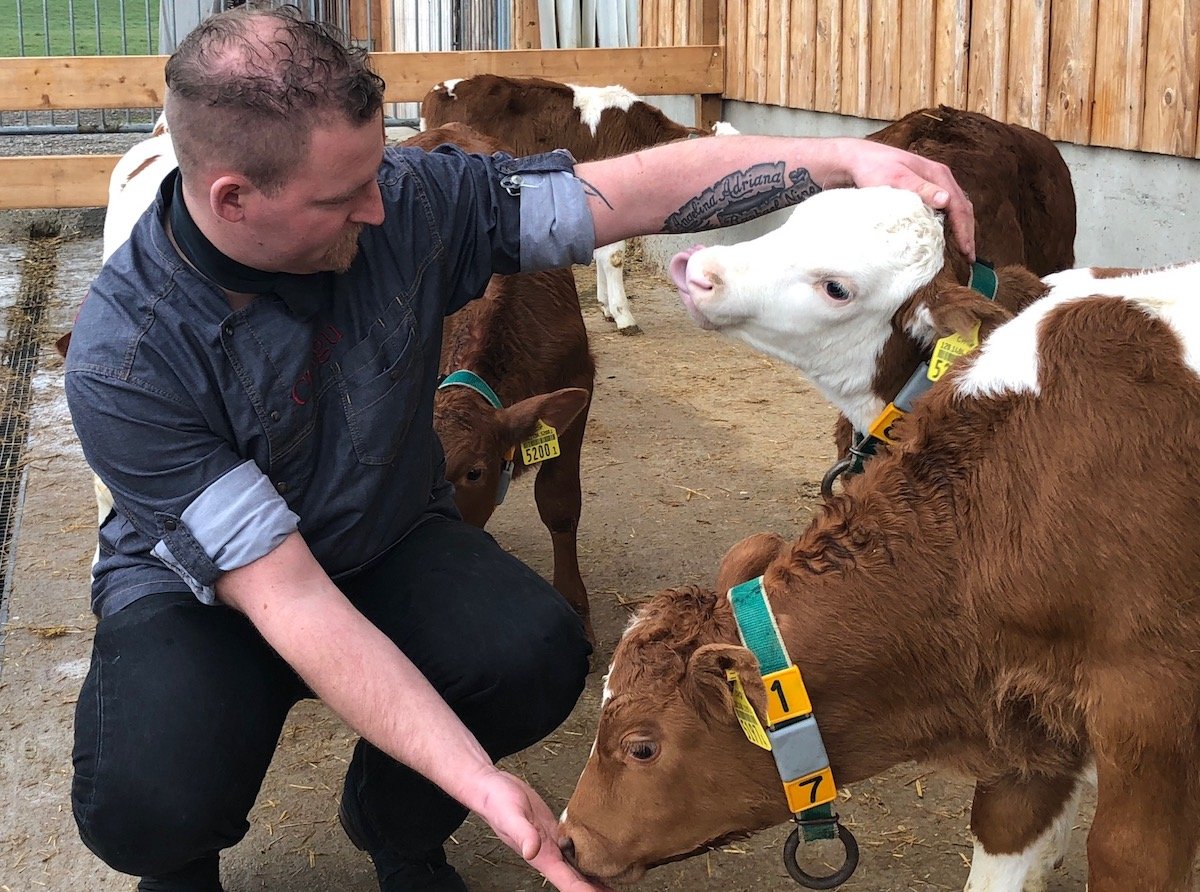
252, 376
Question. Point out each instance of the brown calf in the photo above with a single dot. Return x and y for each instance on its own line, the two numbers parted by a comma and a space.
1012, 591
531, 115
526, 339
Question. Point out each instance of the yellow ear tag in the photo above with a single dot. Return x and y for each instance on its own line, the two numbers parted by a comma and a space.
949, 349
746, 715
541, 446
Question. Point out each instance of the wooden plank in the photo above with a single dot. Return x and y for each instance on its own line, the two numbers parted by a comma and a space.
827, 89
883, 102
916, 62
987, 67
666, 22
756, 52
735, 49
856, 57
55, 181
709, 106
681, 14
137, 81
1028, 63
1119, 96
952, 31
383, 27
526, 33
1169, 117
802, 45
1072, 70
648, 23
778, 39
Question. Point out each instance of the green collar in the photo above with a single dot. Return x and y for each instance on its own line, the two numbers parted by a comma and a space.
463, 378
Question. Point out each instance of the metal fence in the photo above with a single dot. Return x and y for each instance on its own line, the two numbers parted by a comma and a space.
138, 27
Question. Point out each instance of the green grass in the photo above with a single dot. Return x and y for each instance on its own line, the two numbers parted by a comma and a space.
23, 29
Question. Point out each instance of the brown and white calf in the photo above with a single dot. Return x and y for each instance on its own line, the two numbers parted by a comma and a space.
1012, 591
805, 294
526, 339
532, 115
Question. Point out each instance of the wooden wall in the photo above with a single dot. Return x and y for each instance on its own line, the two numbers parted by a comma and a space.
1120, 73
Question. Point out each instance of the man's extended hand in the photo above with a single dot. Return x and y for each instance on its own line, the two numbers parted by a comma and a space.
525, 824
868, 163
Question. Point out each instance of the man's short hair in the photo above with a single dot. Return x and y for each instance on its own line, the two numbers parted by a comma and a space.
246, 87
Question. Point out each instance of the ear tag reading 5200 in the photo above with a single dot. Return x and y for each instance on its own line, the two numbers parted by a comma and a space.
541, 446
950, 348
745, 713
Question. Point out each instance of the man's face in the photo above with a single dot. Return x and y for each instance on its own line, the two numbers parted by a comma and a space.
313, 222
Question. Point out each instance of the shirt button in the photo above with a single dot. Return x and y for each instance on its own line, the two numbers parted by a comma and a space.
228, 329
282, 486
170, 526
275, 415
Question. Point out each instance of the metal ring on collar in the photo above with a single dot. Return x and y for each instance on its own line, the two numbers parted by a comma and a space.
833, 880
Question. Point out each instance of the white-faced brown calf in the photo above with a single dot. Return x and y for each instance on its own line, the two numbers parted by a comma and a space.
1012, 591
525, 338
823, 293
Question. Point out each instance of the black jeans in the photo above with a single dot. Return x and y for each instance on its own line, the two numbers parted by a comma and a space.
182, 708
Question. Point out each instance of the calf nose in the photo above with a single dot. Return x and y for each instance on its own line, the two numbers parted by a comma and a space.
567, 846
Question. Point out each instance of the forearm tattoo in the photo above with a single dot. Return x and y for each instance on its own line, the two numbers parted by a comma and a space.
741, 196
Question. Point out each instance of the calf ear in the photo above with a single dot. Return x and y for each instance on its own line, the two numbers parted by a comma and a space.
557, 409
748, 559
62, 344
957, 310
706, 685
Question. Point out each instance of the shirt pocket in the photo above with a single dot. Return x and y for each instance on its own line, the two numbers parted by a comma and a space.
378, 382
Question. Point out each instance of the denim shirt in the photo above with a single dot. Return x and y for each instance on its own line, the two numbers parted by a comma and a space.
219, 433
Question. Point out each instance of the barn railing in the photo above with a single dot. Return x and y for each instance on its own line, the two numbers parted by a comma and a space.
60, 181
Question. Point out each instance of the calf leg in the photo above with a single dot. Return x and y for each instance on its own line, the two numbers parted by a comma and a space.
1020, 826
559, 500
1144, 834
610, 288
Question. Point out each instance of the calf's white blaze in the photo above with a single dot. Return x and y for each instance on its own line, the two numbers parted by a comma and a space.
879, 244
1008, 361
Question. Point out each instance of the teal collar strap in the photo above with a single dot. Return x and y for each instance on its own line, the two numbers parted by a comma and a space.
795, 739
463, 378
983, 279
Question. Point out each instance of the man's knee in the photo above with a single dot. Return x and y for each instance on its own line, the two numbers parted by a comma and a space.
150, 829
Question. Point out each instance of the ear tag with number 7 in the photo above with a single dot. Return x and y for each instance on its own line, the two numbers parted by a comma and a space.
745, 713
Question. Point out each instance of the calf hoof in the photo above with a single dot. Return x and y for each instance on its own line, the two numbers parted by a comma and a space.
634, 329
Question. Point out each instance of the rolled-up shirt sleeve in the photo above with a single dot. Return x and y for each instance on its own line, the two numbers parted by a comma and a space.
207, 509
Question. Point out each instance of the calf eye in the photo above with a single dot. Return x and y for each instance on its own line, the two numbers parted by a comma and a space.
643, 750
836, 290
474, 474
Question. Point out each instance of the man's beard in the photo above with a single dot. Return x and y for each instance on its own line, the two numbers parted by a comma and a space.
341, 253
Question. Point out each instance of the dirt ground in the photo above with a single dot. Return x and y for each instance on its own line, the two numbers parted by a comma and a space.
694, 442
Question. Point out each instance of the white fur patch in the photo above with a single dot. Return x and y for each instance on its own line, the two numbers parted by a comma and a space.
449, 86
1008, 361
592, 101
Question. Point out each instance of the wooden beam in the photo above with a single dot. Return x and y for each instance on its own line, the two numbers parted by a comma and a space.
55, 181
526, 32
709, 105
58, 82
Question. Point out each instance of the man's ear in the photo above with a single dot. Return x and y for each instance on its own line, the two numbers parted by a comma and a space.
706, 685
226, 198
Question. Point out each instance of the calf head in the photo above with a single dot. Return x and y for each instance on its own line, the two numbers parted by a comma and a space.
671, 773
851, 290
478, 439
